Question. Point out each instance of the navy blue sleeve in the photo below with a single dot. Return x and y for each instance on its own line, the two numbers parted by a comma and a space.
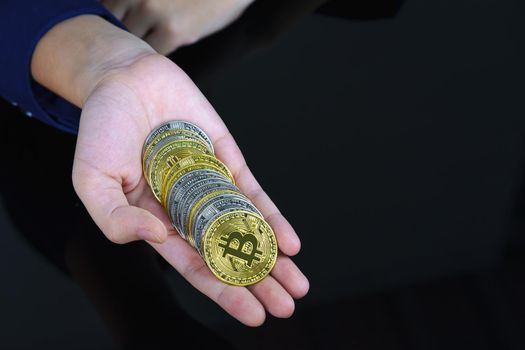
22, 24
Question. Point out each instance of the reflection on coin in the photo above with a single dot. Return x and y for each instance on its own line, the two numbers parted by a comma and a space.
181, 172
184, 182
180, 168
214, 207
159, 142
180, 197
204, 200
205, 206
240, 248
168, 157
178, 124
188, 201
198, 204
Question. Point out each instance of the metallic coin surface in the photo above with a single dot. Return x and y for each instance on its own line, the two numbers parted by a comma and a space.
173, 177
168, 157
162, 145
240, 248
203, 199
214, 207
156, 146
205, 206
195, 207
210, 199
187, 202
168, 134
181, 185
178, 124
181, 167
184, 190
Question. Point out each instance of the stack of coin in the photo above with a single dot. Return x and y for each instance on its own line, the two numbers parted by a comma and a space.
205, 206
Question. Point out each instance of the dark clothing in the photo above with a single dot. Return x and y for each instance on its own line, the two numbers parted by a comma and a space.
23, 24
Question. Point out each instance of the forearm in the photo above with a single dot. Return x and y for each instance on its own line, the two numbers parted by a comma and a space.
77, 53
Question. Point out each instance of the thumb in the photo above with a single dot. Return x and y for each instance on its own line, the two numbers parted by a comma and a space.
107, 204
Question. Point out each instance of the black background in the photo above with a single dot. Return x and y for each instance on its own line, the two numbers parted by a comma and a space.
394, 146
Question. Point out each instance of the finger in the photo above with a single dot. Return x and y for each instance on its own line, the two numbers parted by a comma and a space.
237, 301
105, 201
228, 151
285, 234
154, 207
274, 297
140, 18
163, 39
118, 7
144, 198
290, 277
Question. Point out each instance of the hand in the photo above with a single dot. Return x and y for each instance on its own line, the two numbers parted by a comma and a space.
125, 90
116, 118
169, 24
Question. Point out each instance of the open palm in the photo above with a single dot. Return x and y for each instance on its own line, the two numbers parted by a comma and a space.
107, 176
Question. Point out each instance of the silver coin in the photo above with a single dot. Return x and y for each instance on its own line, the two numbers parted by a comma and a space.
221, 204
185, 183
180, 186
188, 202
176, 193
177, 124
179, 198
151, 153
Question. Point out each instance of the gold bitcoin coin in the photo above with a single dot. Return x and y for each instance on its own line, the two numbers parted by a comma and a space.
196, 207
168, 157
183, 166
175, 134
240, 248
178, 125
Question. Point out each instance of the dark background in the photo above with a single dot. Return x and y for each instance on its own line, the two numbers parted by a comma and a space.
394, 146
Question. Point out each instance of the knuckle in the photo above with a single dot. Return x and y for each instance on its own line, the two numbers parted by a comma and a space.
172, 31
114, 236
194, 267
230, 300
148, 7
241, 170
255, 194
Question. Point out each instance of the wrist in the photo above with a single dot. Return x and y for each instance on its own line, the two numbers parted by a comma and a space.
145, 81
76, 54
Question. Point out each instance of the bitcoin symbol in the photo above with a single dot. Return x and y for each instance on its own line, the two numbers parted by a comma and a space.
241, 246
171, 161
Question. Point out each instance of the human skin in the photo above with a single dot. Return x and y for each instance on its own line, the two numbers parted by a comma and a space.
169, 24
125, 89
